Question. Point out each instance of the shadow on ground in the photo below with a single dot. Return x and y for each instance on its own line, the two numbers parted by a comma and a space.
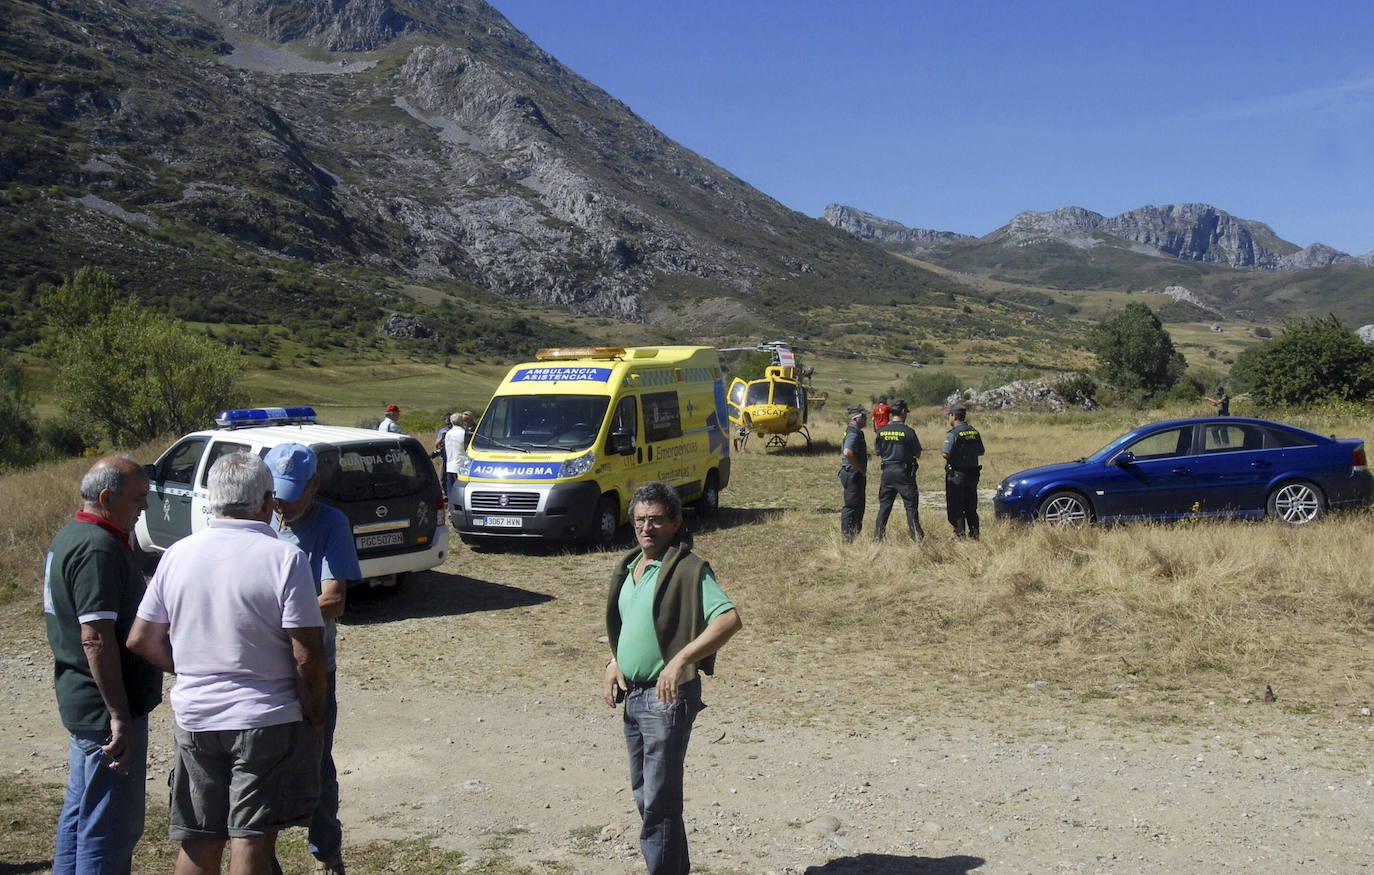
796, 446
891, 864
24, 868
435, 594
733, 517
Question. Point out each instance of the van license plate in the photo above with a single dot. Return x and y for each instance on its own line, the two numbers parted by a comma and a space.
385, 539
504, 522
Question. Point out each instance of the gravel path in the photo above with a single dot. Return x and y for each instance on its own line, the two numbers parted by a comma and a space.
466, 717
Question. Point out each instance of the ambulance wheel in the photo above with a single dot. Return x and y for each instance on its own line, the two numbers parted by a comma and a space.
709, 502
605, 524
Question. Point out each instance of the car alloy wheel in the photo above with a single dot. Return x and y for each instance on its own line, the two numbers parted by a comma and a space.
1296, 504
1065, 509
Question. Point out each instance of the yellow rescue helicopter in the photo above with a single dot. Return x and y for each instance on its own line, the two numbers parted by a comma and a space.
775, 405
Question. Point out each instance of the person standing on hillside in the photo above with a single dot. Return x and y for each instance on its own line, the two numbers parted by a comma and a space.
326, 537
1222, 402
665, 619
853, 474
899, 448
882, 413
232, 612
962, 448
91, 590
389, 420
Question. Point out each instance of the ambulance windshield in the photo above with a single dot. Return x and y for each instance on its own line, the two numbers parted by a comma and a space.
541, 423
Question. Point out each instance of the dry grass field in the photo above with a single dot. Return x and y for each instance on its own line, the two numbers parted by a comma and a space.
1174, 628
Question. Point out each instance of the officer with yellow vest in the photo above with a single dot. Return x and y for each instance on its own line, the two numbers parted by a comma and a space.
962, 447
899, 448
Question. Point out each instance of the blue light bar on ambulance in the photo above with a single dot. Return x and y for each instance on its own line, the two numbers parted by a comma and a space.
257, 416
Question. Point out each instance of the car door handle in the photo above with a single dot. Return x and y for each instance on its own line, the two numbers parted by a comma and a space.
1260, 465
1180, 470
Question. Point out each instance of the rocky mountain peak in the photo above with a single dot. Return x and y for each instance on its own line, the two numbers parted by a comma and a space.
1065, 223
867, 226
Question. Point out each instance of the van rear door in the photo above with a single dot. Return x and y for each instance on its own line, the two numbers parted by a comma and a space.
388, 490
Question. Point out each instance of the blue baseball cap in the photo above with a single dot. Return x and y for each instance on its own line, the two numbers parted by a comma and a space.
292, 467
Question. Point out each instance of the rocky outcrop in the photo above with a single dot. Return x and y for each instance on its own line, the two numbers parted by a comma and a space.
867, 226
1052, 394
1321, 255
1366, 333
1181, 293
1068, 224
1198, 232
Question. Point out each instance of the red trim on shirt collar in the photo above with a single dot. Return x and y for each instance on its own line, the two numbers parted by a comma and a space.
123, 536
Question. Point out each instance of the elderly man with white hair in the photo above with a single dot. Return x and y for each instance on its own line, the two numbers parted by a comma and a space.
232, 611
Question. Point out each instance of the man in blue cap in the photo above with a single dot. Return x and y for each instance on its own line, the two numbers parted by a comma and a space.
324, 534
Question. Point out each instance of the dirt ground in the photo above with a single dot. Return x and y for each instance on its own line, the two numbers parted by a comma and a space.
470, 714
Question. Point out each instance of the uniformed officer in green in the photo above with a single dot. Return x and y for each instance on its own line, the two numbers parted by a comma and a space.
963, 445
899, 448
853, 474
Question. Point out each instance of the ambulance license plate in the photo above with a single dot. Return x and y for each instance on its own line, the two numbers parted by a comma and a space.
503, 522
385, 539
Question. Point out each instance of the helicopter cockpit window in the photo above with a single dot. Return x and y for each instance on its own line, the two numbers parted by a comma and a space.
737, 393
785, 394
758, 393
662, 418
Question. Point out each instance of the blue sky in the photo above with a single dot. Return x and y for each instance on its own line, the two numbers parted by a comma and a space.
958, 115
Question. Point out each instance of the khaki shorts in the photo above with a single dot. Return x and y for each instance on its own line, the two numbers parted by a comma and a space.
243, 783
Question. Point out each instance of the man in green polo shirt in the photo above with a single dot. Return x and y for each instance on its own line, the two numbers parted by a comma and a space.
666, 618
91, 589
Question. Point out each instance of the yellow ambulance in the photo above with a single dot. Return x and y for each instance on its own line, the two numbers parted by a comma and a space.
568, 437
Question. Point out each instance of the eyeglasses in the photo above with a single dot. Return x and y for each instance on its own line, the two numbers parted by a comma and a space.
650, 522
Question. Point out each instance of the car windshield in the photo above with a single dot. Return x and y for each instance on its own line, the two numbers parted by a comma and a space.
365, 472
1111, 449
535, 423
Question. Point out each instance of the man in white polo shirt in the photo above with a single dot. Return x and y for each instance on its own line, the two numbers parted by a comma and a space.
232, 611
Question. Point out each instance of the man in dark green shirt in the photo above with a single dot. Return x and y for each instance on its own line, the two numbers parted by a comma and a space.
665, 618
962, 449
853, 474
91, 589
899, 448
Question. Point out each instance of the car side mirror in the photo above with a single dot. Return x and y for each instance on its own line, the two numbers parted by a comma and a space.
151, 472
1124, 459
622, 443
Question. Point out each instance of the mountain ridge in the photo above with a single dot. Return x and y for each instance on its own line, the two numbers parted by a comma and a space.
376, 143
1189, 231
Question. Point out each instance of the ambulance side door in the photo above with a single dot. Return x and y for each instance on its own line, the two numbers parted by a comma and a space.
622, 474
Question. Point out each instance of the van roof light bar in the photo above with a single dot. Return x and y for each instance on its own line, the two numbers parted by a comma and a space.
253, 417
564, 353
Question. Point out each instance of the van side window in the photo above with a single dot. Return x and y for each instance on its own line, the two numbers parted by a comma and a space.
662, 419
217, 449
626, 417
179, 465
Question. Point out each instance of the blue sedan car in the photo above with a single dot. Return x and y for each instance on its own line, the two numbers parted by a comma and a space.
1183, 468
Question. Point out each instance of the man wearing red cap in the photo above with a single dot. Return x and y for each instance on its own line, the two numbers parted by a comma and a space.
388, 423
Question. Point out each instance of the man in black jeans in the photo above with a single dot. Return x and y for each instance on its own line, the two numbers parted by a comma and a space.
853, 474
962, 448
898, 446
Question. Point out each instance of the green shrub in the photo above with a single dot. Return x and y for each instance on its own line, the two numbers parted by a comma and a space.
928, 386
